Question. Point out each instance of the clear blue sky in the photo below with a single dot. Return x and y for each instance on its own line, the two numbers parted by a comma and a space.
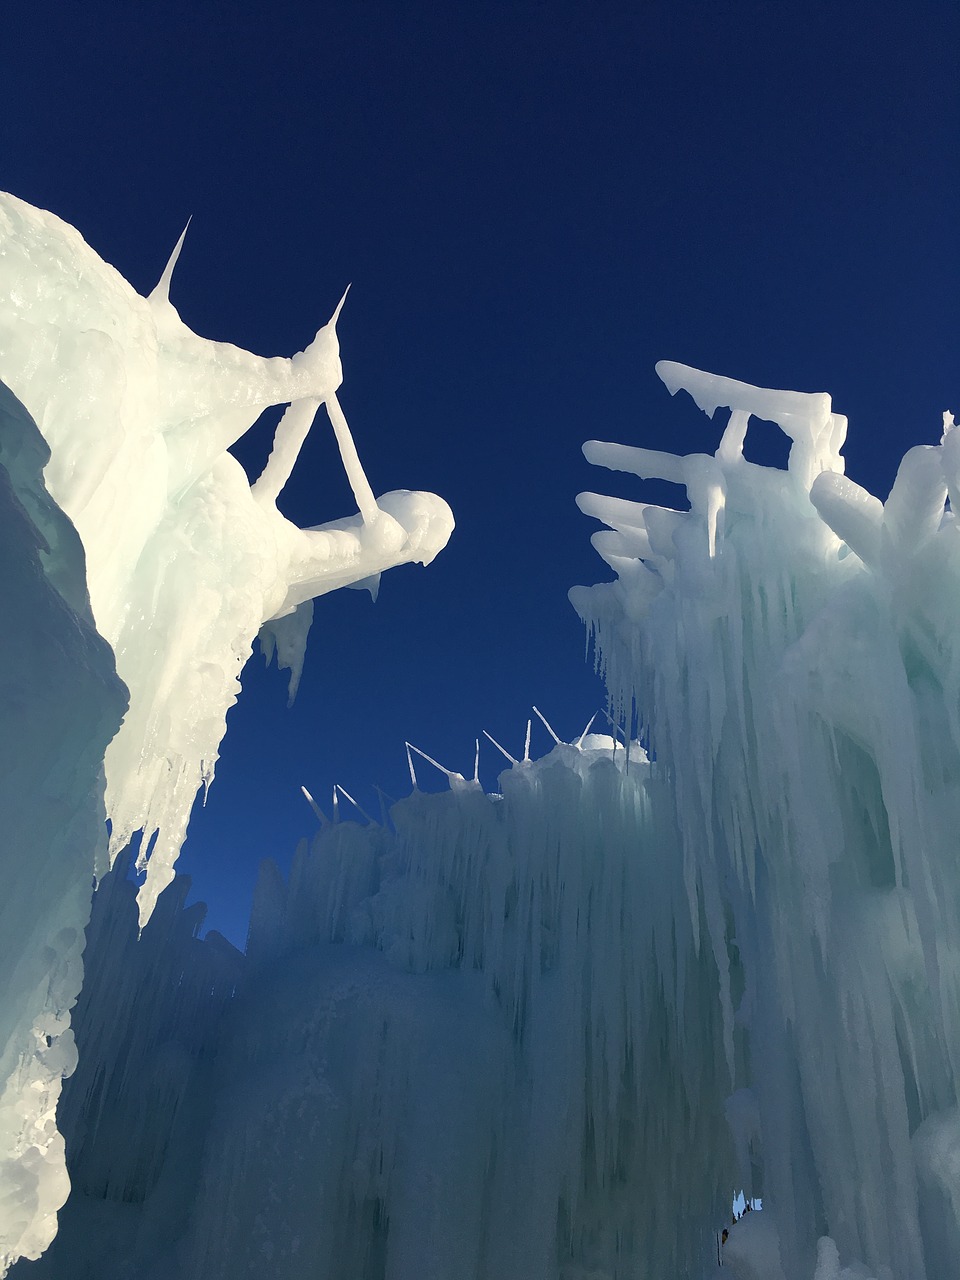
534, 203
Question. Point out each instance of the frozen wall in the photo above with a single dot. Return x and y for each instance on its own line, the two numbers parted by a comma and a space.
136, 1111
791, 643
186, 560
60, 703
442, 1054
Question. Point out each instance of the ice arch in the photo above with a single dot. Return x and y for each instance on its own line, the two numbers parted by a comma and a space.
186, 561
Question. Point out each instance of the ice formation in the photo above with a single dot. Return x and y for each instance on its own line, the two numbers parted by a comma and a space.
548, 1031
791, 645
441, 1053
60, 703
186, 561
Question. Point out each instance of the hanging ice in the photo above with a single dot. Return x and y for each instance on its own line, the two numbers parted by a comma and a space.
440, 1050
185, 560
550, 1030
792, 644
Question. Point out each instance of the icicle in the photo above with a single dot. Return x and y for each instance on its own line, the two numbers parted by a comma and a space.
546, 725
502, 750
347, 796
320, 815
451, 776
589, 726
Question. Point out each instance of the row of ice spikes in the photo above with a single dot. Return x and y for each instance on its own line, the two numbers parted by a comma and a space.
457, 780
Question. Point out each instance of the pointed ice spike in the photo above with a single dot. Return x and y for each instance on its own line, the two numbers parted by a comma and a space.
476, 762
362, 493
450, 774
579, 742
526, 744
413, 774
499, 748
339, 307
546, 725
385, 802
320, 815
371, 584
161, 293
347, 796
336, 805
617, 729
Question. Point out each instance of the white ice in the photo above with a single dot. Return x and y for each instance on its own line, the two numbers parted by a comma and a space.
548, 1030
186, 561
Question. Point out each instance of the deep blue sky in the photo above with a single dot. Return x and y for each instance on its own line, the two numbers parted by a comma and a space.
534, 203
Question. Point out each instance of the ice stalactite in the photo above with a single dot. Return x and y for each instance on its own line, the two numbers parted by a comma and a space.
186, 561
791, 644
60, 703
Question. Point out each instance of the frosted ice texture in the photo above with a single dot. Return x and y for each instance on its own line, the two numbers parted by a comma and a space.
791, 644
60, 703
186, 561
440, 1050
550, 1030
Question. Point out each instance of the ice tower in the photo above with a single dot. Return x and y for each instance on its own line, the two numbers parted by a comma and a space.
185, 563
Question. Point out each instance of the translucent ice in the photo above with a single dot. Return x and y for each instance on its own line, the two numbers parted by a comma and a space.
441, 1049
791, 644
185, 560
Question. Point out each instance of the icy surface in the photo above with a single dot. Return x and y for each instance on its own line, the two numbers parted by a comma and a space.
440, 1050
60, 703
550, 1030
791, 644
186, 561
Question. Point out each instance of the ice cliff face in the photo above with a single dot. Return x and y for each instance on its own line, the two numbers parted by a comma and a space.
60, 703
186, 561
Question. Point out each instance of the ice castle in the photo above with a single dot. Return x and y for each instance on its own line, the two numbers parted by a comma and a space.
543, 1034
